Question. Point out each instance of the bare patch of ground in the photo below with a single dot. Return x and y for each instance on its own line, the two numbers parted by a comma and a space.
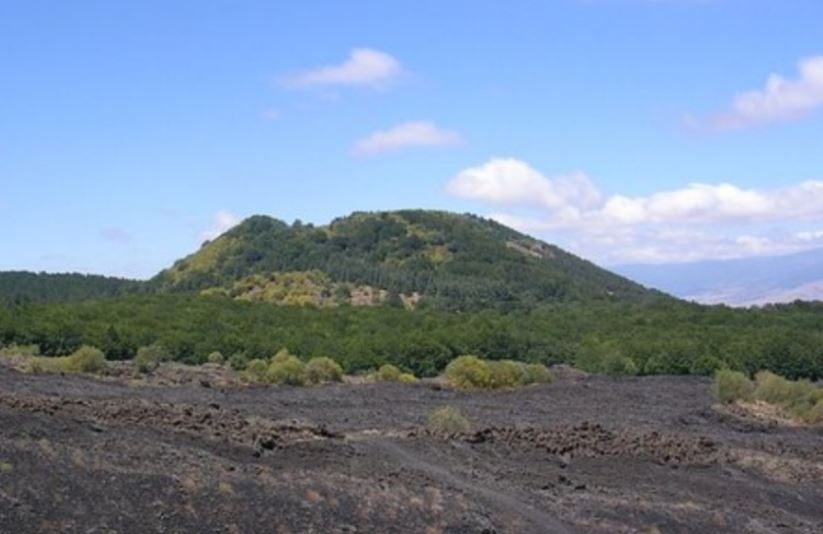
585, 454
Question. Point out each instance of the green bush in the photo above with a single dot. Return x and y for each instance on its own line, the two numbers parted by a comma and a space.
20, 350
281, 356
149, 358
88, 359
814, 415
287, 370
471, 372
238, 361
388, 373
798, 398
448, 421
536, 373
504, 374
216, 358
730, 386
468, 372
616, 364
407, 378
322, 369
257, 370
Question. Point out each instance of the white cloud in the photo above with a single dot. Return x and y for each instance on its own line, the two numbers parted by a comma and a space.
511, 182
221, 222
407, 134
364, 66
779, 100
814, 235
693, 222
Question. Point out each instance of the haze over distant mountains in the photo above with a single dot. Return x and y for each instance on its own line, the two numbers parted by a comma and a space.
739, 282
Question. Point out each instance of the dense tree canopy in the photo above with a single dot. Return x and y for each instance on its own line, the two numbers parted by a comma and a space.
668, 337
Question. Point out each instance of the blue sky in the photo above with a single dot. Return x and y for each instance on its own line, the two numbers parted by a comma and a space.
129, 132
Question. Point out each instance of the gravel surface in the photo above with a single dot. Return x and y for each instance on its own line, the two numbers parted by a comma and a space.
585, 454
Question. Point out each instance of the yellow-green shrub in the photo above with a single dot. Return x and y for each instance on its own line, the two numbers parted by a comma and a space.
504, 374
730, 386
471, 372
287, 370
281, 356
323, 369
798, 398
257, 370
216, 358
448, 421
468, 372
20, 350
149, 358
815, 414
86, 359
407, 378
536, 373
388, 373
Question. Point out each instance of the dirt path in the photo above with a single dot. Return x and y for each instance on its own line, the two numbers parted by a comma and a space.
537, 521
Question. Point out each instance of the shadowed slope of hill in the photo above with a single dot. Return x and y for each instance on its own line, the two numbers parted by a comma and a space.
441, 259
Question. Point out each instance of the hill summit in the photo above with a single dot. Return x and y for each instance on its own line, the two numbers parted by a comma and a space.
408, 257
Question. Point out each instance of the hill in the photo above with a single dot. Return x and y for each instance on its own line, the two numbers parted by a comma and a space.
410, 257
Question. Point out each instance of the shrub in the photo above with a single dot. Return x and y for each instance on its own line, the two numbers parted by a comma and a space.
323, 369
281, 356
238, 361
730, 386
257, 370
149, 358
407, 378
468, 372
20, 350
448, 420
802, 399
770, 387
536, 373
814, 415
216, 358
615, 363
87, 359
289, 371
504, 374
388, 373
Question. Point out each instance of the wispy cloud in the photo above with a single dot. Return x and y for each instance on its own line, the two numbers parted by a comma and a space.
405, 135
692, 222
221, 222
779, 100
364, 67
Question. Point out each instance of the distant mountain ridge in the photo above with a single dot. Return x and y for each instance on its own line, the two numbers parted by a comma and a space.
738, 282
434, 258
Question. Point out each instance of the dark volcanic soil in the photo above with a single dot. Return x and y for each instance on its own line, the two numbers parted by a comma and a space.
581, 455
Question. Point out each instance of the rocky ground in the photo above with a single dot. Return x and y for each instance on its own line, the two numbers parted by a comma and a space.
209, 455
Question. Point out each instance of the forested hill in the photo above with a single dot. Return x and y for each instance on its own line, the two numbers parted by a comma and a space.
18, 287
413, 257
